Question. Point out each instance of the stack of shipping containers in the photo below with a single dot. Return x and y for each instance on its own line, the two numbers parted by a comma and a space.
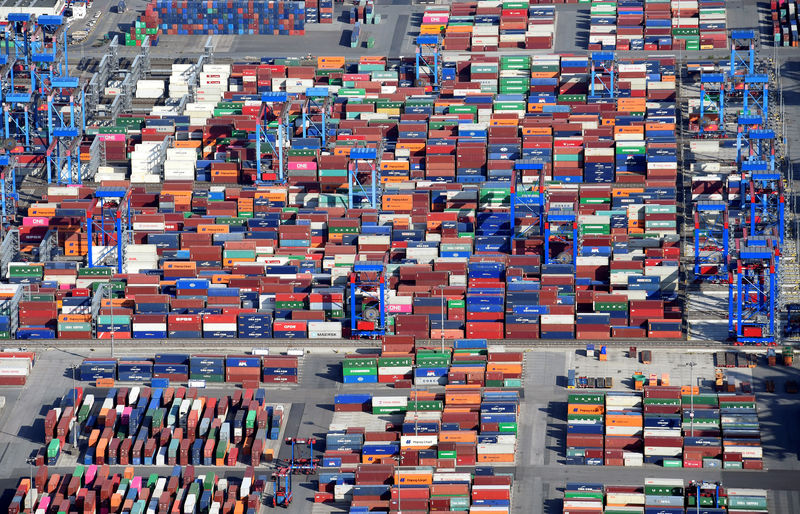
239, 260
182, 490
483, 25
657, 427
662, 496
461, 427
263, 17
784, 22
163, 426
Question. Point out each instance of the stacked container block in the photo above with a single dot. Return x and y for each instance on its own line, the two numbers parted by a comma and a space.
784, 22
485, 25
163, 426
94, 486
264, 17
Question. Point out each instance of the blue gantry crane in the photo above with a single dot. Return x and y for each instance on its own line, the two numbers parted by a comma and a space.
315, 113
743, 52
282, 494
428, 61
752, 291
762, 196
711, 240
368, 299
712, 102
363, 177
527, 202
603, 83
755, 97
111, 229
275, 109
561, 231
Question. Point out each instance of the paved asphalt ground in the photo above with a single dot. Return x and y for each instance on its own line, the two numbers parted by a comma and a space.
540, 472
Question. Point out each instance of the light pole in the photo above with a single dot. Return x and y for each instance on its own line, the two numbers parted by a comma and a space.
691, 396
74, 409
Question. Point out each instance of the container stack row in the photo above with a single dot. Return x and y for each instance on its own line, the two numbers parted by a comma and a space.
699, 25
418, 488
463, 426
672, 426
662, 496
180, 368
491, 25
238, 17
15, 367
469, 363
784, 22
362, 11
655, 25
147, 26
162, 426
95, 489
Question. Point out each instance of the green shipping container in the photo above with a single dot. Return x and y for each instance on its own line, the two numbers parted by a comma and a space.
428, 405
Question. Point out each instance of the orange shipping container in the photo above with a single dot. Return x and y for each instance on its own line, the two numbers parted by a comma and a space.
574, 408
495, 457
458, 436
413, 478
504, 367
213, 229
624, 421
330, 63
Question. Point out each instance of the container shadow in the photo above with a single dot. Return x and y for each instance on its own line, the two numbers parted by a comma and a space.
32, 432
327, 406
344, 40
556, 410
552, 506
333, 372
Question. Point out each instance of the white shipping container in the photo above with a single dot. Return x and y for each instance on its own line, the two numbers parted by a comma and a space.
621, 499
146, 327
496, 448
14, 372
219, 327
395, 370
324, 330
557, 319
623, 430
389, 401
663, 451
418, 441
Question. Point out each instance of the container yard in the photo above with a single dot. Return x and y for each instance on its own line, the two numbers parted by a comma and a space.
399, 256
663, 495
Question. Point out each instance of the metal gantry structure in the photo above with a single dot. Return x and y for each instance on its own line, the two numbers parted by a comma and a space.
43, 106
561, 227
712, 101
316, 111
274, 105
743, 52
527, 202
711, 240
112, 229
364, 163
603, 83
368, 299
428, 60
753, 289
